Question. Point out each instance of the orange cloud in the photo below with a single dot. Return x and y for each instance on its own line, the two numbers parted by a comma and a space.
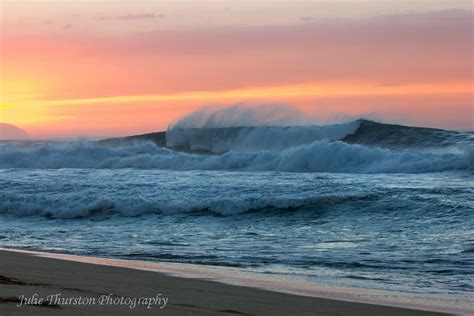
139, 113
76, 83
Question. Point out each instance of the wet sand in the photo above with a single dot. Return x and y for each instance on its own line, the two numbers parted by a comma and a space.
94, 288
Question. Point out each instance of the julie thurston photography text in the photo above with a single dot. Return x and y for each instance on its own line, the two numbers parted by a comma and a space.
158, 300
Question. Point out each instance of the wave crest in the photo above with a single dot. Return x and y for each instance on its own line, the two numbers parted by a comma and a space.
250, 139
89, 205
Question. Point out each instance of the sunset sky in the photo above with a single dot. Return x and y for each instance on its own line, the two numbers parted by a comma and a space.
103, 68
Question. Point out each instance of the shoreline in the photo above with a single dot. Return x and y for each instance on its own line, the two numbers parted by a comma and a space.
197, 289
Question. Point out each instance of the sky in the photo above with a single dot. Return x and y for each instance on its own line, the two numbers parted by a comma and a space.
111, 68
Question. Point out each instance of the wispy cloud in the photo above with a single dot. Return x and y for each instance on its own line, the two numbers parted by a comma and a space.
304, 90
306, 18
138, 16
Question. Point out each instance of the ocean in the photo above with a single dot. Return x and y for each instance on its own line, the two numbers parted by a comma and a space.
360, 204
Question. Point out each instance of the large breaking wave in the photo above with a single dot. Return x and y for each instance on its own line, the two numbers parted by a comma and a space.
251, 139
356, 147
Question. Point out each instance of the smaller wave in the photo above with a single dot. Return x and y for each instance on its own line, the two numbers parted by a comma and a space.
470, 250
85, 206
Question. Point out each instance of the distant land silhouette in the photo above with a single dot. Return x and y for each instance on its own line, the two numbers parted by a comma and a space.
11, 132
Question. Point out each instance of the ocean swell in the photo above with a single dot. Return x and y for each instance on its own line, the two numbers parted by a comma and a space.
88, 205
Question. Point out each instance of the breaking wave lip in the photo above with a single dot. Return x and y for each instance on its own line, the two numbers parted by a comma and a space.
332, 148
91, 206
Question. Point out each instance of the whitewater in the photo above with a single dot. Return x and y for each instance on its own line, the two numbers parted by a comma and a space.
333, 148
361, 203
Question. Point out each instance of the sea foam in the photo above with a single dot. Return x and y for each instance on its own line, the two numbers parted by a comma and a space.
318, 156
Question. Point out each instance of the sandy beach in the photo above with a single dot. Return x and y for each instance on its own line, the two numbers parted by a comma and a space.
77, 288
